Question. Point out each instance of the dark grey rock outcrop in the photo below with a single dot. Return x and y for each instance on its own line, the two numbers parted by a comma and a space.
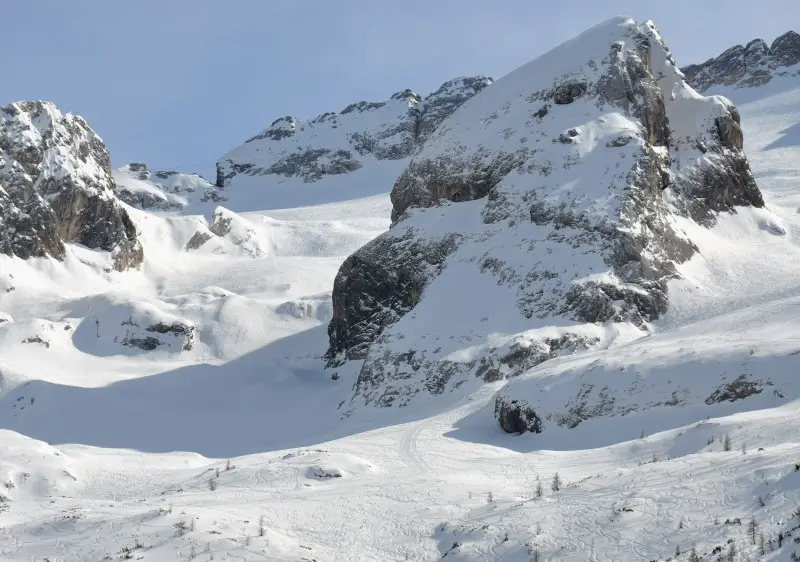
516, 416
56, 187
754, 64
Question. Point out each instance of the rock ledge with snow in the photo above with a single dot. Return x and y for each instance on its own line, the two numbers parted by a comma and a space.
542, 212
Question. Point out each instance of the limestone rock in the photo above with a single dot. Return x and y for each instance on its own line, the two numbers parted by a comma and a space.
56, 187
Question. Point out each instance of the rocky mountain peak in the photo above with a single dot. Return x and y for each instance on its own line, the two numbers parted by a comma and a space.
751, 65
279, 129
56, 187
162, 190
340, 143
785, 50
541, 211
407, 95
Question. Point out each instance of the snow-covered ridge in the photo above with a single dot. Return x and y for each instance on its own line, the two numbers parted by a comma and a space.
56, 187
750, 65
161, 190
539, 219
340, 143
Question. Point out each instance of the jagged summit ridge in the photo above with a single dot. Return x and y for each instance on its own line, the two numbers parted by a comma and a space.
539, 213
56, 187
338, 143
753, 64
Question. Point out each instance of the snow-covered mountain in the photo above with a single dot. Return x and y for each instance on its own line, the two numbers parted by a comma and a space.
580, 280
753, 64
162, 190
552, 203
56, 187
363, 134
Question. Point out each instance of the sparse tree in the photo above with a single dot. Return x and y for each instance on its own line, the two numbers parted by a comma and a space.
212, 484
693, 557
539, 490
228, 464
744, 448
535, 556
556, 485
752, 530
680, 523
732, 552
489, 498
261, 526
726, 443
181, 527
216, 472
677, 550
538, 528
761, 544
191, 524
192, 553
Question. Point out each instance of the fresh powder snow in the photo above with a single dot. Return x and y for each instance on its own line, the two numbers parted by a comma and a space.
185, 408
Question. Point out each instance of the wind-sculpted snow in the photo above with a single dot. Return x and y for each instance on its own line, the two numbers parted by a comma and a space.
56, 187
537, 216
751, 65
340, 143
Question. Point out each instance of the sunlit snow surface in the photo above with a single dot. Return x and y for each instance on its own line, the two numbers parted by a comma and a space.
109, 449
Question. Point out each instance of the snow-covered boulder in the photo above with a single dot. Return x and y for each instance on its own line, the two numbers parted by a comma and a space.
56, 187
132, 328
161, 190
751, 65
341, 143
539, 218
230, 233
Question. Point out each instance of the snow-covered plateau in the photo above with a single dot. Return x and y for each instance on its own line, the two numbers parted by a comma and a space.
553, 316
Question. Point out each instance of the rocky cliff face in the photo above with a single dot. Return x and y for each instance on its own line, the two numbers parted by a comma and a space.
751, 65
540, 213
340, 143
162, 190
56, 187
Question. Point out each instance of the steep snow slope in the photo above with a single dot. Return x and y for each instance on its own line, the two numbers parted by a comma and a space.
92, 428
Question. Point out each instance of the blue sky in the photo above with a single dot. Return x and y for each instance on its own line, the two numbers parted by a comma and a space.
176, 83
